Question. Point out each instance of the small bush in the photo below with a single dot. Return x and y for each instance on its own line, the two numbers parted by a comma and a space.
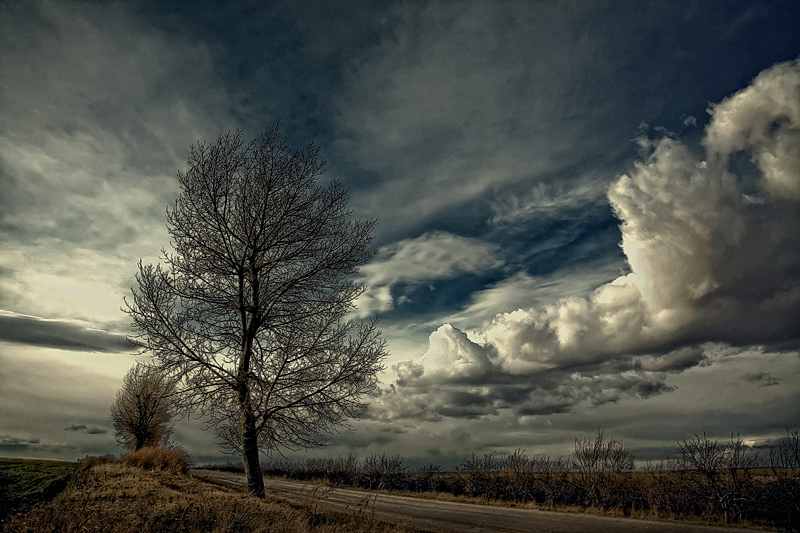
173, 460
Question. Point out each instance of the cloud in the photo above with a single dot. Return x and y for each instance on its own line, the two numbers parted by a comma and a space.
91, 430
545, 199
99, 110
762, 379
675, 361
708, 269
457, 102
763, 119
14, 444
8, 441
64, 335
432, 256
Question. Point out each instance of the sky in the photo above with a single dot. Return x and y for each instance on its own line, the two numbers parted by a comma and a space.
588, 212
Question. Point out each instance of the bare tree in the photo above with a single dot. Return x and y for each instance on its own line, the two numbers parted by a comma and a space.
598, 465
250, 310
720, 471
144, 408
785, 462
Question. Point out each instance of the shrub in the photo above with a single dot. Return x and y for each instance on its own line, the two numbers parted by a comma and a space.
784, 495
721, 474
173, 459
93, 460
384, 472
601, 468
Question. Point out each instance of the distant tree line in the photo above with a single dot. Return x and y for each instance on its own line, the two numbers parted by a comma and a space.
711, 480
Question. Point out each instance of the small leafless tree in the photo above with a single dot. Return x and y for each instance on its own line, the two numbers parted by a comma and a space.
249, 313
720, 471
480, 474
785, 462
143, 411
598, 465
384, 471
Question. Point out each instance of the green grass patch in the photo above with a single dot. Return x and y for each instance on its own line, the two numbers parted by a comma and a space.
25, 482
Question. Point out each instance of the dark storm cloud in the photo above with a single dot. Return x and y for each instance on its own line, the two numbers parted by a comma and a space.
62, 335
14, 444
281, 59
762, 379
7, 441
91, 430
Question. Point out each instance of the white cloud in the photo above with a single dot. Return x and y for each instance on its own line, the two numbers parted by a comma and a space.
706, 265
763, 119
452, 354
431, 256
546, 199
571, 331
677, 218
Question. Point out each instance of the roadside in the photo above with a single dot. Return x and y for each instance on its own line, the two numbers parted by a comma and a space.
109, 496
436, 515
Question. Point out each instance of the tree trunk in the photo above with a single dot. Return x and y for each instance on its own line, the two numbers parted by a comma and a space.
252, 465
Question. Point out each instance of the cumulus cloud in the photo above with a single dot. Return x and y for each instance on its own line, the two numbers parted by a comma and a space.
431, 256
708, 268
763, 119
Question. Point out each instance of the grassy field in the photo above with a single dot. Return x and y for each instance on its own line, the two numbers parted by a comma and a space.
123, 496
25, 482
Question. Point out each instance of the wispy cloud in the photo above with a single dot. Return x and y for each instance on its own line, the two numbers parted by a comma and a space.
98, 112
431, 256
458, 102
546, 199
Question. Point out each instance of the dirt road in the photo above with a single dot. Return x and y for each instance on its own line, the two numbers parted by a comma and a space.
432, 515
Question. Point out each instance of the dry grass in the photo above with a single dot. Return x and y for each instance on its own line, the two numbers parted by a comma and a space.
171, 460
124, 497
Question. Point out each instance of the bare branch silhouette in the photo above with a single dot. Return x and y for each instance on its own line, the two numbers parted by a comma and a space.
144, 408
249, 312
